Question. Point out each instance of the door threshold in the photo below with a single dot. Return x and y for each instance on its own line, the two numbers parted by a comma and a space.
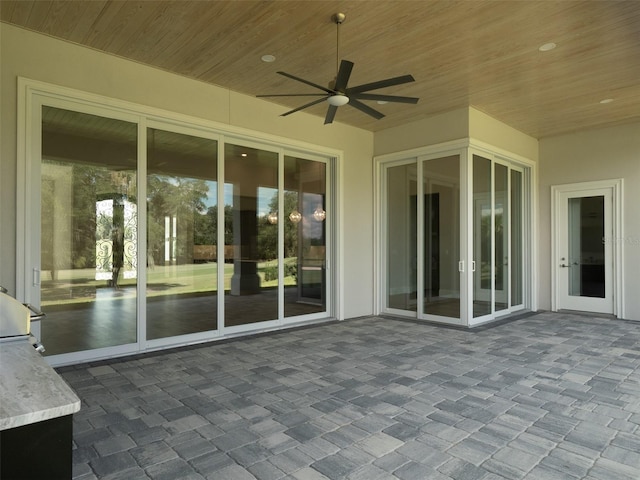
588, 314
494, 322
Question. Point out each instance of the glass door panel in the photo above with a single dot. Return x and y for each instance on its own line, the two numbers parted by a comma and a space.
501, 236
304, 218
482, 236
517, 235
498, 237
441, 190
251, 180
401, 231
88, 231
586, 247
182, 214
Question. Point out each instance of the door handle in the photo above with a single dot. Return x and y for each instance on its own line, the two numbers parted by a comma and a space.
565, 266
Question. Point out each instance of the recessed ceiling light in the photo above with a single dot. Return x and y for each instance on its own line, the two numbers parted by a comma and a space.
606, 100
382, 102
547, 46
243, 154
268, 58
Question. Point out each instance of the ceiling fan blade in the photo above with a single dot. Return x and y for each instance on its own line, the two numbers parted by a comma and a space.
384, 98
342, 79
331, 113
365, 108
304, 106
380, 84
288, 75
294, 95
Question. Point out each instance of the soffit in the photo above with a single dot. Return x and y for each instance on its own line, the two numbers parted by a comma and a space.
482, 54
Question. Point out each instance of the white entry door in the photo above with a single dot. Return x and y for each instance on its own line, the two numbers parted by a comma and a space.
584, 260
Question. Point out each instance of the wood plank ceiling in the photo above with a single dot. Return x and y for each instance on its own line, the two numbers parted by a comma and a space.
478, 53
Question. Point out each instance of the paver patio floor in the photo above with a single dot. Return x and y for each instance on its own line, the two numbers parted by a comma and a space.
549, 396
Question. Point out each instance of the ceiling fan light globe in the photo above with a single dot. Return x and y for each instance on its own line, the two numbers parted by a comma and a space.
338, 100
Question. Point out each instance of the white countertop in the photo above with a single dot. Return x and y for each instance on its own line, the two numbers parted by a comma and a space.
30, 390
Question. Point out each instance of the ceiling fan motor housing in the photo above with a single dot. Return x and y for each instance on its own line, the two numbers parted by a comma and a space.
338, 100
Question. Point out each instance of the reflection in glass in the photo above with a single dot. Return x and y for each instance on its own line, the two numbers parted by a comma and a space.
251, 279
482, 228
501, 233
441, 179
586, 247
88, 231
304, 236
402, 261
182, 216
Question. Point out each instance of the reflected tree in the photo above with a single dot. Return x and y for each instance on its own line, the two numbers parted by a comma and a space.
181, 200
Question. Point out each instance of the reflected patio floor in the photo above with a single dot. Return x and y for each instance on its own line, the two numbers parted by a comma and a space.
110, 319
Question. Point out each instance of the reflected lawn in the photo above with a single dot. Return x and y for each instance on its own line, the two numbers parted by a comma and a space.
79, 285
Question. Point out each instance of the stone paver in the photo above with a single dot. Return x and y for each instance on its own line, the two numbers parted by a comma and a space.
545, 396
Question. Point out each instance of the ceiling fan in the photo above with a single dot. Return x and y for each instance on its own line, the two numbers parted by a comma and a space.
339, 93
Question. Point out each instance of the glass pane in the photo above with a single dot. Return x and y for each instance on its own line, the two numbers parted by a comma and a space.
586, 247
501, 232
516, 238
181, 234
89, 231
441, 179
304, 236
251, 291
482, 236
402, 283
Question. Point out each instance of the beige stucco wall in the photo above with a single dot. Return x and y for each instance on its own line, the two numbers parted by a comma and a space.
456, 125
440, 128
38, 57
601, 154
498, 134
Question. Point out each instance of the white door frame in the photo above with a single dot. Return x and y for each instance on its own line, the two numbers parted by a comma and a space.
558, 194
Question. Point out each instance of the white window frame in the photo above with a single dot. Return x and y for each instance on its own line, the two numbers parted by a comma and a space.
33, 94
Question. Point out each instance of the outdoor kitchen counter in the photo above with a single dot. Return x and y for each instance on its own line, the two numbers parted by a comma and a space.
30, 390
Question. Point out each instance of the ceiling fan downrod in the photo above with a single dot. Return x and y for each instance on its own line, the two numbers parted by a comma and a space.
338, 98
338, 18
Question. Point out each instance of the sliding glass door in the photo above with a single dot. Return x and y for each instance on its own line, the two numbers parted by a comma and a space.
441, 237
401, 237
144, 233
516, 240
453, 233
304, 219
182, 208
482, 263
251, 183
497, 263
88, 272
422, 234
